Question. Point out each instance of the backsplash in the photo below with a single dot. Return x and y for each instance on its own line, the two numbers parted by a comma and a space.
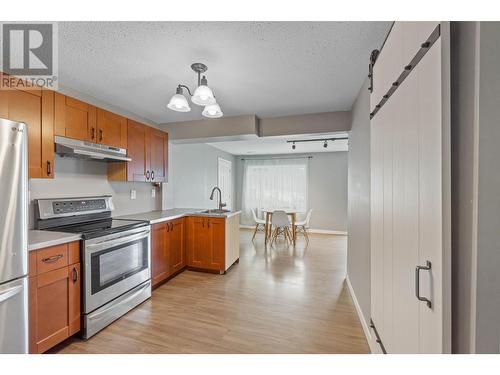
84, 178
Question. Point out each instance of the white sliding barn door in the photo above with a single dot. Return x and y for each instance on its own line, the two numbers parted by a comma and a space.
409, 157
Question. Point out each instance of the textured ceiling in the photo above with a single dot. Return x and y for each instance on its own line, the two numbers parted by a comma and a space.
279, 145
263, 68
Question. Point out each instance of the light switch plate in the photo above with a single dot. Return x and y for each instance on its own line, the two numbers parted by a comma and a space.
153, 193
133, 194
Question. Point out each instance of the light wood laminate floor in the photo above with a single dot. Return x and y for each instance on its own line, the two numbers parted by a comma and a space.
279, 300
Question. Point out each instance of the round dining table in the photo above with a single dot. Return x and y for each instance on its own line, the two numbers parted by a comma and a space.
269, 215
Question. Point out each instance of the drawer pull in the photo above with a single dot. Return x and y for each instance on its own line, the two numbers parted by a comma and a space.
52, 259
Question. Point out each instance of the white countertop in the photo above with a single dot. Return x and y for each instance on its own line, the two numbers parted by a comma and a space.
38, 239
155, 217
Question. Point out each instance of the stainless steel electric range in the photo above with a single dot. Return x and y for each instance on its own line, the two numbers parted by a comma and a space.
116, 256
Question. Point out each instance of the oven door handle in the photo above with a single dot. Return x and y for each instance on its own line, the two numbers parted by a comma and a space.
117, 241
122, 301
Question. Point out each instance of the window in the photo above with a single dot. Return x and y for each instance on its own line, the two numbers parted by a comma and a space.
274, 184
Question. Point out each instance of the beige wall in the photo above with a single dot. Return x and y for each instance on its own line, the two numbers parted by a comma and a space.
224, 128
83, 178
247, 127
475, 187
305, 124
358, 227
327, 189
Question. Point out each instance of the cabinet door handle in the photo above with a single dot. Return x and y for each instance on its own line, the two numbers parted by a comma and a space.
92, 135
208, 223
152, 175
172, 226
427, 267
52, 259
147, 175
49, 168
168, 227
203, 223
74, 275
101, 134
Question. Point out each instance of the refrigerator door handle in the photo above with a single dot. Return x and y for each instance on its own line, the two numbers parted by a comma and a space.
10, 292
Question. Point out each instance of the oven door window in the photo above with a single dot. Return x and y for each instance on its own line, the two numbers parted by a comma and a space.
113, 265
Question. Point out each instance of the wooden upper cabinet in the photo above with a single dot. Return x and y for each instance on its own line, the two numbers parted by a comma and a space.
74, 119
137, 151
148, 149
36, 109
158, 155
111, 129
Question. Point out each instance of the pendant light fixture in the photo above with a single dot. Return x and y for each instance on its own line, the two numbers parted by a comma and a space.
178, 102
202, 96
212, 111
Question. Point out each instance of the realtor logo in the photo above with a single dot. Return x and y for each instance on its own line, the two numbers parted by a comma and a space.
29, 51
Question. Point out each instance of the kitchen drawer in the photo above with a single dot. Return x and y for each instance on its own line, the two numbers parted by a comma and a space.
52, 258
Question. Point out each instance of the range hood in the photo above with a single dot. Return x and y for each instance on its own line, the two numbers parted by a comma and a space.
88, 150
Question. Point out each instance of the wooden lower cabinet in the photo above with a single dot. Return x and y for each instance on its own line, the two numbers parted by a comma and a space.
167, 248
159, 259
206, 243
54, 296
177, 249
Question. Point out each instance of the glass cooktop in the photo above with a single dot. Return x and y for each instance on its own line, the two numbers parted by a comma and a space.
98, 228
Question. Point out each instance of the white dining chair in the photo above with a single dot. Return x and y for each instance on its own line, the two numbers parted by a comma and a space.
260, 225
281, 224
302, 227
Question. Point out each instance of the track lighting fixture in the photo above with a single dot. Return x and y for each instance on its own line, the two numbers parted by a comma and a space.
202, 96
324, 140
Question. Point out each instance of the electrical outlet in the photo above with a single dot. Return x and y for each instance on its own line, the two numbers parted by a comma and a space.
153, 193
133, 194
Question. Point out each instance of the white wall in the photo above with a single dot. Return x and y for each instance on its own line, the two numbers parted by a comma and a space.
193, 174
83, 178
327, 188
475, 187
358, 243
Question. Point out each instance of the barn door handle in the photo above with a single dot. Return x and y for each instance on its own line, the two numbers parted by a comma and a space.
427, 267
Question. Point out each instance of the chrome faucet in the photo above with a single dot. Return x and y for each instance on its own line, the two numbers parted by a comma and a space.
221, 205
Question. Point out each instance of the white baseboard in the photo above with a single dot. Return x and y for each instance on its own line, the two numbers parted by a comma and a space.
317, 231
364, 324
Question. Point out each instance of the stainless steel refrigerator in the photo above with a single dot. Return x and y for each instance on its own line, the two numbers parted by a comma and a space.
13, 237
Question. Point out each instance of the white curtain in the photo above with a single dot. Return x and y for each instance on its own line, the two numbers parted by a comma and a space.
272, 184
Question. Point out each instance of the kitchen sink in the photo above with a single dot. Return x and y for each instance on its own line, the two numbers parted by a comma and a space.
216, 212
